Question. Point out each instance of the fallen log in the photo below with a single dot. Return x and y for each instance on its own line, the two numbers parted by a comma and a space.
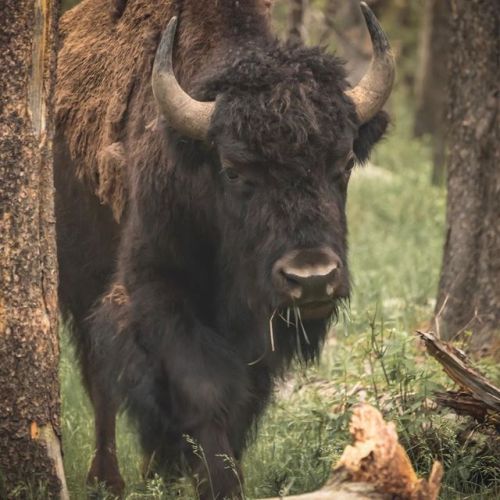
375, 466
477, 397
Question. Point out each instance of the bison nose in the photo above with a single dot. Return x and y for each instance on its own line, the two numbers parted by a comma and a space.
310, 275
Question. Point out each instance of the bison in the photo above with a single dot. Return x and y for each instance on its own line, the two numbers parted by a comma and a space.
201, 179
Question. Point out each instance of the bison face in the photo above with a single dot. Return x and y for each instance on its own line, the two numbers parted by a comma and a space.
284, 145
284, 130
282, 174
283, 223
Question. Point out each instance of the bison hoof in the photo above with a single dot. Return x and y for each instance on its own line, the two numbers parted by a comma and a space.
104, 473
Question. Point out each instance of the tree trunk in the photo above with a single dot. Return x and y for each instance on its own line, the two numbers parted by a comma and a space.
30, 451
296, 21
469, 290
432, 82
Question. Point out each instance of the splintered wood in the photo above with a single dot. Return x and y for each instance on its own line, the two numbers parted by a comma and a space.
375, 466
377, 458
478, 397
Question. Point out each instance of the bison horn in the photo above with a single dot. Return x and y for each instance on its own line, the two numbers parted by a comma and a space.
371, 93
183, 113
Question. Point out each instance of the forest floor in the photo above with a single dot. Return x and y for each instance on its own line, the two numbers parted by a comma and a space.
396, 221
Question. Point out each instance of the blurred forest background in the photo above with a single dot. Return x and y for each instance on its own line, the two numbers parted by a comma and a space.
405, 266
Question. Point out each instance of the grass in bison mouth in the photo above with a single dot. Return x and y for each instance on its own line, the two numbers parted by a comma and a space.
316, 310
295, 315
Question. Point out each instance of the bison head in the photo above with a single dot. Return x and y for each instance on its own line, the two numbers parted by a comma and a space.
283, 134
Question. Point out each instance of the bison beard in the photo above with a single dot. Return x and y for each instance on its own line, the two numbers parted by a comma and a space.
216, 246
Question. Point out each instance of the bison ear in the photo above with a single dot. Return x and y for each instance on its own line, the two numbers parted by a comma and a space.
369, 134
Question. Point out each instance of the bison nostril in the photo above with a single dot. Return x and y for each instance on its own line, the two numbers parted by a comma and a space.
309, 275
290, 279
295, 288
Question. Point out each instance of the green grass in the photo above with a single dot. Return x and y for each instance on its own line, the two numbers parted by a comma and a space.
396, 221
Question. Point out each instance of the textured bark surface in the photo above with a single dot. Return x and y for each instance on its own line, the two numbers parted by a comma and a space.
469, 291
432, 81
30, 456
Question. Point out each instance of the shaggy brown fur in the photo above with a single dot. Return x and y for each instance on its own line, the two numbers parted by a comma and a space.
111, 48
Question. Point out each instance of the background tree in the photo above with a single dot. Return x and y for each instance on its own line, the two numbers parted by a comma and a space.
296, 20
30, 452
345, 23
432, 81
469, 290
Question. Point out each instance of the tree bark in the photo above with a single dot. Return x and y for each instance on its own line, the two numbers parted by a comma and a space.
296, 21
30, 451
469, 289
432, 82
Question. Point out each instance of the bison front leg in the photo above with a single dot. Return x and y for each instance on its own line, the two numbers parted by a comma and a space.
213, 463
178, 379
104, 467
101, 367
208, 387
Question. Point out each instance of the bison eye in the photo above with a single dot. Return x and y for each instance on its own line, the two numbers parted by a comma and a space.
230, 174
350, 164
